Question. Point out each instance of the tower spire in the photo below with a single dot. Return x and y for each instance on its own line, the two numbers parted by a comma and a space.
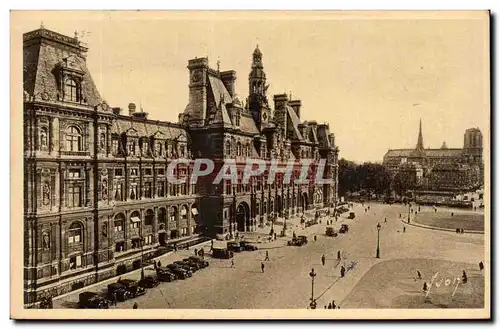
420, 142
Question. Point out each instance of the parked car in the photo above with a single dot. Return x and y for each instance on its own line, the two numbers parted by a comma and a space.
245, 245
149, 281
344, 228
90, 299
352, 215
122, 294
298, 241
200, 261
222, 253
133, 287
165, 276
179, 271
187, 266
330, 231
234, 246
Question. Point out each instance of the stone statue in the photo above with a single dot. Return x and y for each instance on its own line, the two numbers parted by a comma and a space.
46, 193
104, 190
46, 240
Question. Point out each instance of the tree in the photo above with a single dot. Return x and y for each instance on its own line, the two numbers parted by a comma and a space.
401, 183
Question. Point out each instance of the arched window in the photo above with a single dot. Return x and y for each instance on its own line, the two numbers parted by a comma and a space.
135, 219
238, 149
173, 214
162, 216
71, 90
148, 220
119, 222
228, 148
184, 212
75, 233
43, 138
73, 139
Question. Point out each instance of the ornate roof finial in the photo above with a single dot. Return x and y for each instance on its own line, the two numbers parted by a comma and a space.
218, 64
290, 95
76, 34
41, 25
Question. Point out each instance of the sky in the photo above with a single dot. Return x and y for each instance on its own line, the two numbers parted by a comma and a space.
372, 77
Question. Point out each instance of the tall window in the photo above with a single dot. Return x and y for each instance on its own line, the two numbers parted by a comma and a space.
162, 216
118, 192
73, 139
173, 214
75, 233
71, 90
148, 220
228, 148
119, 222
238, 149
161, 189
147, 189
74, 196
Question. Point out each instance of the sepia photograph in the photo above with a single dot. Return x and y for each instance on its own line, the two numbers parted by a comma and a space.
250, 165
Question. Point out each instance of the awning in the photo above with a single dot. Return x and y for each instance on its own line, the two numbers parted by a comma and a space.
135, 219
194, 211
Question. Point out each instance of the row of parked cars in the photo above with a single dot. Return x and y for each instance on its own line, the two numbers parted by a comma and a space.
233, 247
127, 288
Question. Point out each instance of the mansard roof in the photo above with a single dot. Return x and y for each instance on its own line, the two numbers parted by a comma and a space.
147, 129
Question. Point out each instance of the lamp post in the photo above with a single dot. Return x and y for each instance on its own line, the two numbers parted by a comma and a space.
378, 239
409, 207
142, 258
312, 274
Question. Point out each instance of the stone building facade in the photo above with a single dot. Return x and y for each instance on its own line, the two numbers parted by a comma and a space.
95, 187
443, 169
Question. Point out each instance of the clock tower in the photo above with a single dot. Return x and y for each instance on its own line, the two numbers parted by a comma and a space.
258, 103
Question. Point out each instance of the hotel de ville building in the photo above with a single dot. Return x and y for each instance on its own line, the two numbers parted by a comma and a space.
96, 196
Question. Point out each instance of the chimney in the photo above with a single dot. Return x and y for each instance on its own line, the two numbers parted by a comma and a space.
280, 101
228, 79
131, 109
296, 104
117, 110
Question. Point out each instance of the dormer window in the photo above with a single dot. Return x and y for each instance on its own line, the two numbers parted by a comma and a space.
71, 90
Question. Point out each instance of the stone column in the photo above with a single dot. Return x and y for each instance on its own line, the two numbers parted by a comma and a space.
155, 226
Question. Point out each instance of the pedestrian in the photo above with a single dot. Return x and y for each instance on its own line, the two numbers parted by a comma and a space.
464, 277
399, 215
462, 231
424, 287
404, 229
212, 245
159, 264
294, 235
323, 259
451, 214
329, 306
115, 300
385, 220
195, 252
338, 255
267, 255
419, 275
315, 238
175, 247
333, 305
481, 266
135, 306
325, 307
232, 263
262, 267
342, 271
275, 234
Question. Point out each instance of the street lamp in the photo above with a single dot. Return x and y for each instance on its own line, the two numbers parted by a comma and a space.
409, 207
312, 274
378, 239
142, 258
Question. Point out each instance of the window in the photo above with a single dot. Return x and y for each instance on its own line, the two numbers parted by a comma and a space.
148, 171
119, 172
148, 239
74, 173
182, 150
173, 214
74, 196
133, 192
184, 213
115, 144
134, 225
147, 189
228, 148
118, 192
133, 172
71, 90
183, 189
75, 233
161, 189
119, 225
148, 220
238, 149
228, 187
73, 139
131, 147
75, 262
161, 172
120, 246
162, 216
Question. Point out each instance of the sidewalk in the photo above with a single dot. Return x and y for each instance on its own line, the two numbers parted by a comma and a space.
439, 228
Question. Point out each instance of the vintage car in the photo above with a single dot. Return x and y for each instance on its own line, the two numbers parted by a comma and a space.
352, 215
149, 281
187, 266
245, 245
90, 299
200, 261
133, 287
179, 271
119, 290
344, 228
222, 253
234, 246
330, 231
298, 241
165, 276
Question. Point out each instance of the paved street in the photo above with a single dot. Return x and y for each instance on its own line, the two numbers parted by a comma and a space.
286, 282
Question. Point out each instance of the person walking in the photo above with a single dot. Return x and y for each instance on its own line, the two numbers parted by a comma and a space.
404, 229
464, 277
115, 299
262, 267
385, 220
481, 266
323, 259
419, 275
195, 252
232, 263
212, 245
338, 255
155, 265
159, 264
135, 306
342, 271
333, 305
267, 256
315, 238
329, 306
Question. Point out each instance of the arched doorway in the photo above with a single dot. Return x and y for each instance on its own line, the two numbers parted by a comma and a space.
242, 216
305, 204
174, 213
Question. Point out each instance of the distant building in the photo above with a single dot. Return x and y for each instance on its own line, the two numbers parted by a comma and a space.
443, 169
